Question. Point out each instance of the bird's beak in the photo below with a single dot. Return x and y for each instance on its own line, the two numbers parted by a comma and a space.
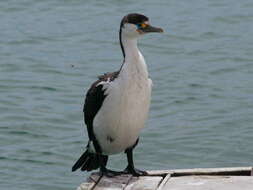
149, 28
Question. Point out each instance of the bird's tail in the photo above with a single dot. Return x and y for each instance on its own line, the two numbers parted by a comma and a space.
87, 162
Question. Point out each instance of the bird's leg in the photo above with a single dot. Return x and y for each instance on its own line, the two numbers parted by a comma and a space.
130, 167
103, 170
103, 161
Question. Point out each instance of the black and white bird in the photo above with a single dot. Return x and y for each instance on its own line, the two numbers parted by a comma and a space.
117, 104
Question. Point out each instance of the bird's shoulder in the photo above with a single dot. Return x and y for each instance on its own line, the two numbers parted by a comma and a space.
102, 79
95, 95
109, 76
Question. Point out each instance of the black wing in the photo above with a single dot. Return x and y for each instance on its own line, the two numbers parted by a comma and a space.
94, 100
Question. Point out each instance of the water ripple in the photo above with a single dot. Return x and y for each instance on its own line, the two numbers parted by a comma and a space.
51, 51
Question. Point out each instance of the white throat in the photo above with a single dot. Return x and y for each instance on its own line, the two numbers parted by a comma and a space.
134, 63
130, 48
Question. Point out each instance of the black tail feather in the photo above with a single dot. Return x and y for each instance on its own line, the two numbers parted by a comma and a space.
92, 163
87, 162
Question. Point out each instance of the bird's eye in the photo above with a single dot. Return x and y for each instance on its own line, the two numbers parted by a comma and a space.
141, 25
138, 26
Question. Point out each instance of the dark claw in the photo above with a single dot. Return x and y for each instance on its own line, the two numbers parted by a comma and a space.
135, 172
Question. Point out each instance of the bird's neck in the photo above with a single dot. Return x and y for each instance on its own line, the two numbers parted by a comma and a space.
134, 64
131, 50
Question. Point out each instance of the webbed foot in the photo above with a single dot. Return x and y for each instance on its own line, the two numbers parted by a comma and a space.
135, 172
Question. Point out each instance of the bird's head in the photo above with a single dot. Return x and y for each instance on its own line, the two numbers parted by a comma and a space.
134, 25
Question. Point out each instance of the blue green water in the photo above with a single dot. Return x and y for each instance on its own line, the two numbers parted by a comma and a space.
52, 50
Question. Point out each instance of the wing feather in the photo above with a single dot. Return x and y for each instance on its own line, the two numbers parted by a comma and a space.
94, 100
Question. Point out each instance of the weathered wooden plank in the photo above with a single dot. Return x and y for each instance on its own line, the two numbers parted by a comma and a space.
90, 183
154, 181
204, 171
144, 183
116, 183
163, 182
86, 186
245, 171
210, 183
158, 172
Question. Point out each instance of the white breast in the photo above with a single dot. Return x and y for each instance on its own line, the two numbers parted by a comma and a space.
123, 114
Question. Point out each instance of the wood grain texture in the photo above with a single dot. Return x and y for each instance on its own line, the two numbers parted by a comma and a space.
181, 179
115, 183
209, 183
144, 183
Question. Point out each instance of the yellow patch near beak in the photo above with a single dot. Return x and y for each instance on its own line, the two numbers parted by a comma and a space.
143, 25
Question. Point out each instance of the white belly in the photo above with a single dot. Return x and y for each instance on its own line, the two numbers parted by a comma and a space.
118, 123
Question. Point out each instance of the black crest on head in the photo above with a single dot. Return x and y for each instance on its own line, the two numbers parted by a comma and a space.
134, 18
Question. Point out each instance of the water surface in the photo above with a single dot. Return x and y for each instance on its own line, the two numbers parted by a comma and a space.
51, 51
